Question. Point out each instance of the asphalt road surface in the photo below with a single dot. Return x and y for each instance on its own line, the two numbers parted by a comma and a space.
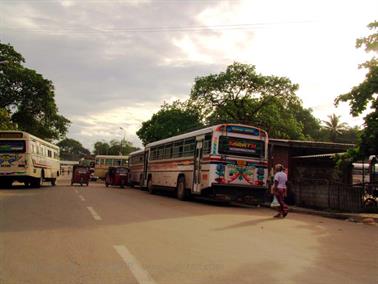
67, 234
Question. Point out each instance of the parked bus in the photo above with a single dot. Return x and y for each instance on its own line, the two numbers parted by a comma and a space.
360, 173
373, 169
365, 172
103, 162
226, 161
136, 167
27, 159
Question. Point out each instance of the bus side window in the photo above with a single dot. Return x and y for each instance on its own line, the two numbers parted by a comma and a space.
49, 153
207, 145
108, 162
160, 153
167, 151
189, 146
177, 149
153, 155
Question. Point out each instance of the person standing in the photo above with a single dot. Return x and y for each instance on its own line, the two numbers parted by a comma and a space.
280, 190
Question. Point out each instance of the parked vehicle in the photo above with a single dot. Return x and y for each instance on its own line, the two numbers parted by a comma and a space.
80, 175
28, 159
103, 162
226, 162
116, 176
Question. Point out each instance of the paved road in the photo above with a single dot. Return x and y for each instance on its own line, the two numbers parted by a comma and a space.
97, 235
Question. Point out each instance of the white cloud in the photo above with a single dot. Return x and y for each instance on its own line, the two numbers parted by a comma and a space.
312, 43
108, 74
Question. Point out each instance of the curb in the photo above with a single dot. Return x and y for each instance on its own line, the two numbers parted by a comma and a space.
352, 217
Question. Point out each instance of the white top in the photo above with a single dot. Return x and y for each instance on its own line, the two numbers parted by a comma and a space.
281, 178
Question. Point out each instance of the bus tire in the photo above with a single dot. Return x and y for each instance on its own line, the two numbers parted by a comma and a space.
53, 181
37, 182
181, 191
6, 184
150, 187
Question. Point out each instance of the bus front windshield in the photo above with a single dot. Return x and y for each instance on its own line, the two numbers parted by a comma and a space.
12, 146
241, 147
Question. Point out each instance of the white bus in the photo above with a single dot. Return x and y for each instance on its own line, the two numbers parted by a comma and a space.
136, 167
103, 162
27, 159
360, 173
226, 161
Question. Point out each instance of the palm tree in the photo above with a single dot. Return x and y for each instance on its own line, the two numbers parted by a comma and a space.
334, 126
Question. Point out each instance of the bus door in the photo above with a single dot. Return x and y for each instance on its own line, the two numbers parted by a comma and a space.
145, 167
198, 153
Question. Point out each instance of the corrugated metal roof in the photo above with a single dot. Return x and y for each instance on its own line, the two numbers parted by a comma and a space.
329, 155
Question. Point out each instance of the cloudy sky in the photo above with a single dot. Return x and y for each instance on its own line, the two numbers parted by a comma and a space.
113, 63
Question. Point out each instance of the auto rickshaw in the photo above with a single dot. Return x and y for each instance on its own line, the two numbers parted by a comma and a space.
80, 174
117, 176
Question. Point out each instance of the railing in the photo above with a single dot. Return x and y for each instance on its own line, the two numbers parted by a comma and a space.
321, 194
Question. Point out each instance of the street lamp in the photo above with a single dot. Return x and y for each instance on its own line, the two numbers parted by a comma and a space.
123, 137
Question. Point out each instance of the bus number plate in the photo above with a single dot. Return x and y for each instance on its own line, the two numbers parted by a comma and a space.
241, 163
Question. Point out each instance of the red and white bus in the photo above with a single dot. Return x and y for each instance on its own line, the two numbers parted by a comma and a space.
226, 161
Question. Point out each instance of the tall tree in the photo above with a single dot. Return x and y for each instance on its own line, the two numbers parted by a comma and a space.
28, 97
334, 127
101, 148
114, 147
171, 119
242, 95
5, 121
365, 94
72, 150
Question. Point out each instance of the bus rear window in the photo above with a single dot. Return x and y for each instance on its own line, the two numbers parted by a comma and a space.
240, 146
9, 146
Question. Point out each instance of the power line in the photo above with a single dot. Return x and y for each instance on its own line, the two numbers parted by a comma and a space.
161, 28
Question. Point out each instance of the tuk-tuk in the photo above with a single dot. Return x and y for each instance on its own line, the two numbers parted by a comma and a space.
117, 176
80, 174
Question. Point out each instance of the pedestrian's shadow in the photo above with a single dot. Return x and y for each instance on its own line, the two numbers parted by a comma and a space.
247, 223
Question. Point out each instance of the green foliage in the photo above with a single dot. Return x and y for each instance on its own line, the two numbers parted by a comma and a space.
114, 147
365, 94
5, 122
334, 127
242, 95
72, 150
28, 97
171, 119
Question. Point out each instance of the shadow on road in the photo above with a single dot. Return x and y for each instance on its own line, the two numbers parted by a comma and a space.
247, 224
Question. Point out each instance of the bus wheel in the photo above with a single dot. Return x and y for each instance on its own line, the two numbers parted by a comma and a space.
181, 191
53, 181
150, 187
6, 184
36, 183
